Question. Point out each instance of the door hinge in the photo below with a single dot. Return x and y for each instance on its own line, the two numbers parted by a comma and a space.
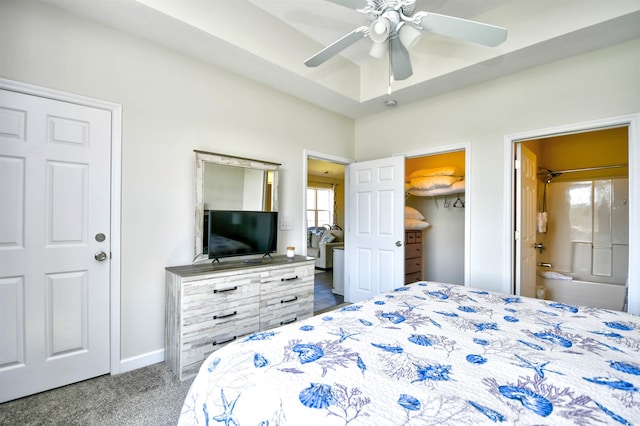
516, 164
516, 235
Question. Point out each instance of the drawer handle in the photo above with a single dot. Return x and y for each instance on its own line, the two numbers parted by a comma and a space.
289, 279
225, 289
289, 322
290, 300
225, 316
224, 341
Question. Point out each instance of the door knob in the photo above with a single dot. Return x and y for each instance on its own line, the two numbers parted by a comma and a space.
398, 243
100, 256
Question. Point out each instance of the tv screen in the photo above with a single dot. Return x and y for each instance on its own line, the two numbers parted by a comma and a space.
241, 233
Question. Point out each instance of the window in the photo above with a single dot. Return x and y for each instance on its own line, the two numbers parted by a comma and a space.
319, 206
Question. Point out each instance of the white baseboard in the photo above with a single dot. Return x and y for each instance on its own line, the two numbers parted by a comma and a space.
144, 360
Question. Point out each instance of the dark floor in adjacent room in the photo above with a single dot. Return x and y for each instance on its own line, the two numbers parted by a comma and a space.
323, 297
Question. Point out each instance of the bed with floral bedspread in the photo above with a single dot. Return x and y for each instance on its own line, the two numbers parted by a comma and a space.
429, 353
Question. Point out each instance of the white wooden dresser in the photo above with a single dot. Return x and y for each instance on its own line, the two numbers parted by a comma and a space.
209, 305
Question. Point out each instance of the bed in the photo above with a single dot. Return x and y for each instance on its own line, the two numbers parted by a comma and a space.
429, 353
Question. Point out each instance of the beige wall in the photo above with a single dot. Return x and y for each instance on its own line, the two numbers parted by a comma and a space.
595, 85
172, 104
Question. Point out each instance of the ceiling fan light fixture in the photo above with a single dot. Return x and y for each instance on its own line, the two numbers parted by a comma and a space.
409, 35
379, 30
379, 50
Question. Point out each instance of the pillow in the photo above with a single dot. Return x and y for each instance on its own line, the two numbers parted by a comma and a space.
338, 234
315, 240
437, 171
327, 237
415, 224
433, 182
411, 213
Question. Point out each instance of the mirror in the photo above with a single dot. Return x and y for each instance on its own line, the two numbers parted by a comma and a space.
225, 182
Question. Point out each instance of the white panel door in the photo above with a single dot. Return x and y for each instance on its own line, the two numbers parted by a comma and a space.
375, 235
526, 195
54, 201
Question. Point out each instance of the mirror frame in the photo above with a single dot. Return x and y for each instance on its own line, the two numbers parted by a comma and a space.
203, 157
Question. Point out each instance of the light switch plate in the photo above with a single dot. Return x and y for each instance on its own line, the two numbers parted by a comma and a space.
286, 224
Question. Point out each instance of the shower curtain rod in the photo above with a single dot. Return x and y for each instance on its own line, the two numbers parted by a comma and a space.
550, 174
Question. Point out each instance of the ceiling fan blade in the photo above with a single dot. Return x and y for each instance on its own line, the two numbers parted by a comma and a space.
337, 46
351, 4
400, 60
476, 32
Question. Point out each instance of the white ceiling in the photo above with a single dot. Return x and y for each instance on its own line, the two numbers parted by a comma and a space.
269, 40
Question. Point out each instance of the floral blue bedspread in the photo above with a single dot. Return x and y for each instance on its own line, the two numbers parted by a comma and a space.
429, 353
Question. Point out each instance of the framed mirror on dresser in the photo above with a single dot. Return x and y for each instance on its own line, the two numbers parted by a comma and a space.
225, 182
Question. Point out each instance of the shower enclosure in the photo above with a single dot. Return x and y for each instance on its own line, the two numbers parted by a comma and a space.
584, 255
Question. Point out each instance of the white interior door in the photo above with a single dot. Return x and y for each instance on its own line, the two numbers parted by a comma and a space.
54, 220
526, 195
375, 233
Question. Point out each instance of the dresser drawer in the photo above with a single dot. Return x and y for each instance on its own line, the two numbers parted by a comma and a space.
412, 250
284, 307
412, 277
412, 265
286, 278
219, 290
413, 237
220, 313
197, 345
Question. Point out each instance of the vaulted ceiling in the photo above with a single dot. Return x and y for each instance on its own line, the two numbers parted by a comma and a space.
269, 40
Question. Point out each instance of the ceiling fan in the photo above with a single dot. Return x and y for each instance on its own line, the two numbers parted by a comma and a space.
395, 28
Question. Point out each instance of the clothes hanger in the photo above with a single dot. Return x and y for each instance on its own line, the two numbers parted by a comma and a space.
459, 203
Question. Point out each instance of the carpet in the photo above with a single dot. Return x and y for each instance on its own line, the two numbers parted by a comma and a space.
148, 396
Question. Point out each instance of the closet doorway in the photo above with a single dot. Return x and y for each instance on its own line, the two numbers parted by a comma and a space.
445, 206
324, 226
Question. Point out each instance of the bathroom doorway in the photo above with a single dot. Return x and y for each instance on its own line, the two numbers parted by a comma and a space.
583, 244
581, 248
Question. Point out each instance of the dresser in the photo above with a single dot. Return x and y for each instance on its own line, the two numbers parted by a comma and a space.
413, 256
208, 306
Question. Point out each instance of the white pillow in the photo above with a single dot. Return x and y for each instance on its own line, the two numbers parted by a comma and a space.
415, 224
411, 213
315, 240
438, 171
432, 182
327, 237
338, 234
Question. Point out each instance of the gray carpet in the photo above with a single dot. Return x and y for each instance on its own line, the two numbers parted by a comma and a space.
147, 396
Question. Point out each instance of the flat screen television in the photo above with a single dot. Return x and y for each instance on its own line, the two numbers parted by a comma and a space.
241, 233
